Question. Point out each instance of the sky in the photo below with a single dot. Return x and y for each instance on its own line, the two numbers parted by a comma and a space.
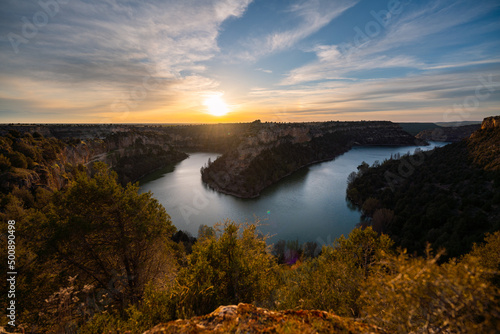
167, 61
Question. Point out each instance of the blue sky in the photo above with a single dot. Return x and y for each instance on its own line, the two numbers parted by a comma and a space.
116, 61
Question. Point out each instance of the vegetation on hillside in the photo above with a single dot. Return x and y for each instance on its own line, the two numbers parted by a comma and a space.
274, 163
448, 197
416, 128
25, 159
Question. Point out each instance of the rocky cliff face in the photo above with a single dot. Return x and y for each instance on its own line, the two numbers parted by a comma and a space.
484, 145
491, 122
131, 154
270, 151
246, 318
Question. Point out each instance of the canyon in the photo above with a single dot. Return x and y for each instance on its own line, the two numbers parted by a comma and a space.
255, 155
270, 151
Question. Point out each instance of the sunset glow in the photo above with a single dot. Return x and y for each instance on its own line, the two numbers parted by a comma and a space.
286, 61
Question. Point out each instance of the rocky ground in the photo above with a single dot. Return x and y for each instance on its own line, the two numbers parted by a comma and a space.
246, 318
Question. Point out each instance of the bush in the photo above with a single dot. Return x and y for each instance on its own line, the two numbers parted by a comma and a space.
333, 280
18, 160
419, 295
233, 266
487, 255
324, 283
4, 163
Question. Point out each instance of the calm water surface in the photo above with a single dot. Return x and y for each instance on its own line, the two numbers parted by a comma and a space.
309, 205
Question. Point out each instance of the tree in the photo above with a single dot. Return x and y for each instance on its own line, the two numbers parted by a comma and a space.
229, 267
363, 248
363, 168
332, 281
381, 219
351, 178
4, 163
109, 235
370, 206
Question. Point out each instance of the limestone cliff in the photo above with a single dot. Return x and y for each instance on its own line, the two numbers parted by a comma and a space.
34, 161
270, 151
484, 145
491, 122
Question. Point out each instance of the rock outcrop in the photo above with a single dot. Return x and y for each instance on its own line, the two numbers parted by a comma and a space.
491, 122
246, 318
484, 145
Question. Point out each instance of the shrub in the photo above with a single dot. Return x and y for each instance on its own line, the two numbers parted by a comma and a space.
333, 280
4, 163
419, 295
230, 267
18, 160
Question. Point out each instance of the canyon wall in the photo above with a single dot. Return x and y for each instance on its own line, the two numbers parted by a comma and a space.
270, 151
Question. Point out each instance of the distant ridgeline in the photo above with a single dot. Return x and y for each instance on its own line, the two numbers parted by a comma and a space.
270, 151
449, 134
448, 197
441, 132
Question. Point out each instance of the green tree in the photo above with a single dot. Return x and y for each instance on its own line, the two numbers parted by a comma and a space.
332, 281
228, 267
363, 248
111, 236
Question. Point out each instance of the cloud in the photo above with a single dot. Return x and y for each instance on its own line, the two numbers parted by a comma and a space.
108, 48
309, 17
387, 48
433, 94
264, 70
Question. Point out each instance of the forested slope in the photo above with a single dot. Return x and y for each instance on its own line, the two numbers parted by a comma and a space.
448, 197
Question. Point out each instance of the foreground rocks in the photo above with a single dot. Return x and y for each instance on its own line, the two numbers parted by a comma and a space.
246, 318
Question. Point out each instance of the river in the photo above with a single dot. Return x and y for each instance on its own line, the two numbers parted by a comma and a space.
309, 205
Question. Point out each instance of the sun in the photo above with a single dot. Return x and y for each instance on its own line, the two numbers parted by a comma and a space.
216, 105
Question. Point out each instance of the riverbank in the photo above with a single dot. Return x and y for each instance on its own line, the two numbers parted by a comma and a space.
272, 152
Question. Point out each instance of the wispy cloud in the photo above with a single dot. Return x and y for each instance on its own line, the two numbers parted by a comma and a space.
433, 93
107, 48
309, 16
403, 32
264, 70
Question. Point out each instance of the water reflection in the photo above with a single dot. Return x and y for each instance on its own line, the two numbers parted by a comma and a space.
309, 205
